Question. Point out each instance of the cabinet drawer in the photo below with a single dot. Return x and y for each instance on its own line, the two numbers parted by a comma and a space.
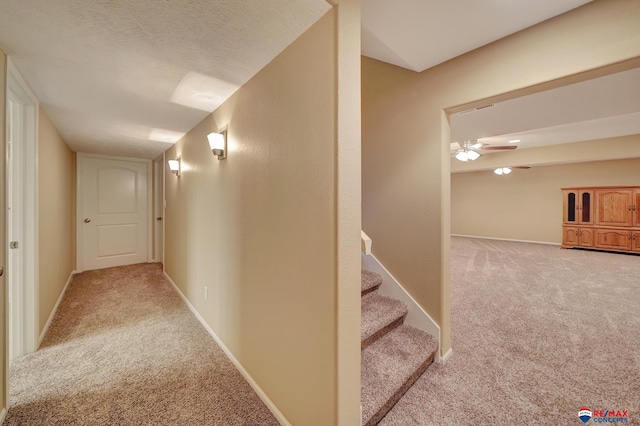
613, 239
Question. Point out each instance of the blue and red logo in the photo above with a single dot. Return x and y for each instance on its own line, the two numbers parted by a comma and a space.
585, 414
603, 416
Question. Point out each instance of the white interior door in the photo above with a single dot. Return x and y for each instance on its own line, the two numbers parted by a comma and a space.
114, 211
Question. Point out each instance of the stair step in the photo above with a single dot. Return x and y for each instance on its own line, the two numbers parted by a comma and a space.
390, 366
380, 315
370, 282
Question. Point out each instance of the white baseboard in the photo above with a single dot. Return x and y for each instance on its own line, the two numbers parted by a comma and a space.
507, 239
55, 307
263, 396
446, 356
416, 317
3, 414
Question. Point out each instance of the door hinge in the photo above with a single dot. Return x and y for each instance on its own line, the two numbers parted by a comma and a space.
13, 245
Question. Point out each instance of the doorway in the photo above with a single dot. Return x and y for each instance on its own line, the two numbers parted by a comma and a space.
21, 215
114, 210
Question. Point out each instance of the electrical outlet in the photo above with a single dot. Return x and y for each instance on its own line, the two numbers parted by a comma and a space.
206, 293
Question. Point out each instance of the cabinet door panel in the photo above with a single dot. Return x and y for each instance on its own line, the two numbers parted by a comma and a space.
570, 236
635, 241
570, 204
586, 237
636, 207
613, 239
613, 207
585, 207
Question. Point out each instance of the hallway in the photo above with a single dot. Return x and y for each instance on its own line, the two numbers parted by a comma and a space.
124, 349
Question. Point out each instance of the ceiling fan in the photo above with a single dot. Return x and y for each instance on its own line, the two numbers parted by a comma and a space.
472, 149
500, 171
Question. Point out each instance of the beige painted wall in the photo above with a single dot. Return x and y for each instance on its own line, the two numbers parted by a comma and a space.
405, 161
527, 204
56, 198
259, 229
3, 237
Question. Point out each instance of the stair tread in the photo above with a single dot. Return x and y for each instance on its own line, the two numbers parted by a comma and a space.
390, 366
379, 312
369, 281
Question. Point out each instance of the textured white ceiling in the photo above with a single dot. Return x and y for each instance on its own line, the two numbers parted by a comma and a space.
418, 34
129, 77
105, 71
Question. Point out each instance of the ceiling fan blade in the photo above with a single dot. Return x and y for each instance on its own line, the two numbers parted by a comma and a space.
498, 148
521, 167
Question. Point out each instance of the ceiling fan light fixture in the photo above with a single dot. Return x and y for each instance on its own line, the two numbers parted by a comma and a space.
472, 155
502, 171
462, 156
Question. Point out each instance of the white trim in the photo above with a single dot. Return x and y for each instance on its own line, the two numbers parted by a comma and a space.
163, 209
446, 356
158, 211
3, 414
365, 243
263, 396
416, 317
55, 308
150, 217
17, 86
507, 239
79, 157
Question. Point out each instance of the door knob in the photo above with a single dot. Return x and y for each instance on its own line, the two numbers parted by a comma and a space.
87, 220
1, 271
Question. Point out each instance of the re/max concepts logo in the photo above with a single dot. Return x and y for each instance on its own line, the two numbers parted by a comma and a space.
603, 416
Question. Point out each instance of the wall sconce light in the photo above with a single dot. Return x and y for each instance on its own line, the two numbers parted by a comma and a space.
174, 166
218, 144
502, 171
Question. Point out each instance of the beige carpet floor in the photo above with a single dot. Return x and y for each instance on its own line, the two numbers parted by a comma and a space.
124, 349
538, 333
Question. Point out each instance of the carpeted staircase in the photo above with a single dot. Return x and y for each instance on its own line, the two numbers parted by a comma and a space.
394, 355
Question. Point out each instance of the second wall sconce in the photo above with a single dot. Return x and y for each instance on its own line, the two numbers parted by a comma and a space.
218, 144
174, 166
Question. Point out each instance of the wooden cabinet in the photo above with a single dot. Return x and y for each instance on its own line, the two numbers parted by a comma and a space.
603, 218
635, 241
635, 210
586, 237
579, 237
614, 207
578, 207
614, 239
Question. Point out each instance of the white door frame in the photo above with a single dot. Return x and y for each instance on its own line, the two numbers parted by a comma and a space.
25, 289
158, 197
79, 217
